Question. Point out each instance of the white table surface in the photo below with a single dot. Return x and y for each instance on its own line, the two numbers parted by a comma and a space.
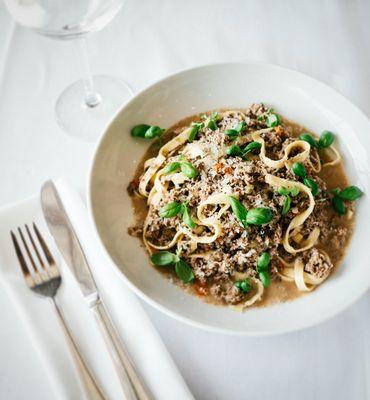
330, 40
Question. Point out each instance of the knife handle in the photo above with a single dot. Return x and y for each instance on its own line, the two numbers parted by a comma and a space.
89, 387
132, 385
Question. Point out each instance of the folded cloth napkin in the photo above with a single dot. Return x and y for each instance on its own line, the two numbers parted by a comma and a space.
146, 349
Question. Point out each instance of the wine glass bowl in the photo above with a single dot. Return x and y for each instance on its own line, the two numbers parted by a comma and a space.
64, 19
84, 107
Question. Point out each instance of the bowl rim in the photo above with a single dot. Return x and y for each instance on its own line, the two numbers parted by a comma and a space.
177, 316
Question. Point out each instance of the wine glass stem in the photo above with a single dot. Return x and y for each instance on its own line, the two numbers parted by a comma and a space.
92, 97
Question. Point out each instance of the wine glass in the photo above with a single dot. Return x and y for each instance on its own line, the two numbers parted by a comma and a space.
84, 107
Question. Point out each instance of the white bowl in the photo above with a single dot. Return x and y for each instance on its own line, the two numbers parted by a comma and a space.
295, 96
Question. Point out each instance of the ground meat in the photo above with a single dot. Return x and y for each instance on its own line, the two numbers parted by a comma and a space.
238, 247
316, 263
136, 230
227, 292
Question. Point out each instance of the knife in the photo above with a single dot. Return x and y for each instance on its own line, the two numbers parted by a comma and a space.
70, 247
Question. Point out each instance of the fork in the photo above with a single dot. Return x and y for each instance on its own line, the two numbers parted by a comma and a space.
43, 277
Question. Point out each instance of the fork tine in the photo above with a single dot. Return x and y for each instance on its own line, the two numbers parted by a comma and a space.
22, 261
27, 249
44, 246
41, 261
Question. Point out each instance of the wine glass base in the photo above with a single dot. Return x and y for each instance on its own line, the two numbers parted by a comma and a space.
88, 123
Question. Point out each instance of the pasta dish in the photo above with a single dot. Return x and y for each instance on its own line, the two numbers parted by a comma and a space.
242, 207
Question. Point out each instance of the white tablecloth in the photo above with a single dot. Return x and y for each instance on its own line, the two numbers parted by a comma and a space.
329, 40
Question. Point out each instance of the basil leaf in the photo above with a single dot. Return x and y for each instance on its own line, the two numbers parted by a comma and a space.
238, 209
183, 271
139, 130
192, 133
309, 139
336, 191
260, 118
350, 193
187, 218
312, 185
241, 126
244, 285
251, 146
212, 125
259, 216
265, 278
164, 258
273, 120
196, 127
338, 205
283, 191
286, 206
234, 150
188, 169
326, 140
153, 131
299, 170
294, 191
232, 133
263, 262
215, 116
170, 210
172, 167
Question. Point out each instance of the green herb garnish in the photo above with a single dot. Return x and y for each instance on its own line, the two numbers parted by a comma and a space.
265, 278
147, 131
263, 262
195, 128
212, 121
139, 130
299, 170
312, 185
309, 139
259, 216
234, 150
182, 269
239, 210
163, 258
326, 140
153, 132
286, 206
241, 126
350, 193
273, 120
186, 217
294, 191
231, 133
251, 146
171, 168
244, 285
171, 210
174, 208
338, 205
186, 168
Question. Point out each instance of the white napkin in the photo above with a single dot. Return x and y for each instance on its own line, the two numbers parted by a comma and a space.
143, 342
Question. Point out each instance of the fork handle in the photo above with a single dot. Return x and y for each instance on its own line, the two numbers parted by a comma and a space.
132, 385
89, 386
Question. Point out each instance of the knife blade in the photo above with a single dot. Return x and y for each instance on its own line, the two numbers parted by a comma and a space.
67, 241
69, 245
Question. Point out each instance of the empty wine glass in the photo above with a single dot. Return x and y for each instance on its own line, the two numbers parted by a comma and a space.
85, 107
